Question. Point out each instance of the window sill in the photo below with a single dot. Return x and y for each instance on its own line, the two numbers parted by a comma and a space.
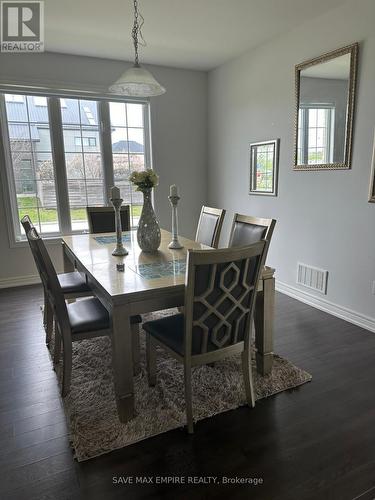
53, 240
50, 240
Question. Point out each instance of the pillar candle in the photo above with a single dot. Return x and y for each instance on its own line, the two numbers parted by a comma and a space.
115, 193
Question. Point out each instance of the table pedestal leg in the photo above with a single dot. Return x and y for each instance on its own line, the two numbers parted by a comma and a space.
122, 360
264, 317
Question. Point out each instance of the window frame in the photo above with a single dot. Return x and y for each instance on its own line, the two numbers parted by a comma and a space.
304, 120
80, 141
58, 154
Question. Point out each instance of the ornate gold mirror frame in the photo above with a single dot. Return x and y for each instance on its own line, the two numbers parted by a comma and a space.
353, 51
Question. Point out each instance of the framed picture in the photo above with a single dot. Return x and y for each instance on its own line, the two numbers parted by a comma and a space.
371, 197
264, 166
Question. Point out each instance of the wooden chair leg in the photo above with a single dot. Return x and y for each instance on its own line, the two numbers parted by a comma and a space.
136, 349
48, 325
67, 369
151, 360
188, 399
247, 376
57, 352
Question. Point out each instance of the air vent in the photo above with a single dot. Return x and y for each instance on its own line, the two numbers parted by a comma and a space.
312, 277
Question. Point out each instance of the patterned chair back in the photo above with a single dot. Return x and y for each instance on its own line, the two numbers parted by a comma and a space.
220, 296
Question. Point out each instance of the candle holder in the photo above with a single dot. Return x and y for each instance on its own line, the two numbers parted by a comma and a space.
120, 250
174, 244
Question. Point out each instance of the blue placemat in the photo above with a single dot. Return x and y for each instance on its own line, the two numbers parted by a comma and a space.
161, 269
105, 240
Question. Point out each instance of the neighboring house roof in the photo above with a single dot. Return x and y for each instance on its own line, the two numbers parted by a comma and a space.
122, 147
86, 113
72, 115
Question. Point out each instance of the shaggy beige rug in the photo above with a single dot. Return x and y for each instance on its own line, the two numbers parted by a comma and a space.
91, 407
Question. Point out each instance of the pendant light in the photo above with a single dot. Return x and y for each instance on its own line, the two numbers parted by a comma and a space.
137, 81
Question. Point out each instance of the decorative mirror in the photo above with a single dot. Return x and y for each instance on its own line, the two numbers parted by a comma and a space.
325, 96
264, 161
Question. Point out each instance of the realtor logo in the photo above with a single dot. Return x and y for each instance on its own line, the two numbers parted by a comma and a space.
22, 26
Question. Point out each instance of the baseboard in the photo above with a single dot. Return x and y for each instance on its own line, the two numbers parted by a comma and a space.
19, 281
326, 306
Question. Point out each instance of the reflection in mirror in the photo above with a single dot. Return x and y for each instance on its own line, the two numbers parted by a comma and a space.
325, 100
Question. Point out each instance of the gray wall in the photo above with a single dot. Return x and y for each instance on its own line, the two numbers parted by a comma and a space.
323, 218
179, 136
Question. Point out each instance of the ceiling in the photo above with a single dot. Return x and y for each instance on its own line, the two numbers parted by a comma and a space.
195, 34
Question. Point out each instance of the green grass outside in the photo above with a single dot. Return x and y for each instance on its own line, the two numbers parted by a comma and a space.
27, 206
136, 210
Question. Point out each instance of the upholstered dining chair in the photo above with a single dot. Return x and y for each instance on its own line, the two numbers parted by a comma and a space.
209, 226
247, 230
73, 285
83, 319
102, 219
220, 292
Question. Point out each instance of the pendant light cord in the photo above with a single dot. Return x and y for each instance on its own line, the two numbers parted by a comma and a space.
137, 32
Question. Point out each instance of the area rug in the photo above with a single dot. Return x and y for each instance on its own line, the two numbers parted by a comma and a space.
94, 428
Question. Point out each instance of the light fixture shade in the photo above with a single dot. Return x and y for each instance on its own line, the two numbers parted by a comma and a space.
137, 82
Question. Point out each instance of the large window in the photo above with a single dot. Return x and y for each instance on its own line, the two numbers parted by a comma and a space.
64, 155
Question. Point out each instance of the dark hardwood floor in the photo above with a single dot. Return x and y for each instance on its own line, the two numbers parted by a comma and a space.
314, 442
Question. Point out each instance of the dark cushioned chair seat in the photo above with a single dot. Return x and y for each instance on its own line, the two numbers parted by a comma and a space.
89, 315
169, 331
73, 282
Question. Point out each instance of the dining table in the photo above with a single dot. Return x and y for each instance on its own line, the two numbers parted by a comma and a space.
145, 283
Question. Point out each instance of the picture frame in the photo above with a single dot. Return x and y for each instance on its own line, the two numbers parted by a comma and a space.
371, 197
264, 167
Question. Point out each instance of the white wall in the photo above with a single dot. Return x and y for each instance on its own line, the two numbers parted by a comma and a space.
323, 218
179, 136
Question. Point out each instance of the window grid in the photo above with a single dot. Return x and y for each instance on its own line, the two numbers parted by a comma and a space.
128, 155
43, 217
318, 149
315, 134
32, 161
82, 185
123, 182
263, 161
85, 153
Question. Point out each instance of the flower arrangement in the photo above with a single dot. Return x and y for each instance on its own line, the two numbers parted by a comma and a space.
145, 179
